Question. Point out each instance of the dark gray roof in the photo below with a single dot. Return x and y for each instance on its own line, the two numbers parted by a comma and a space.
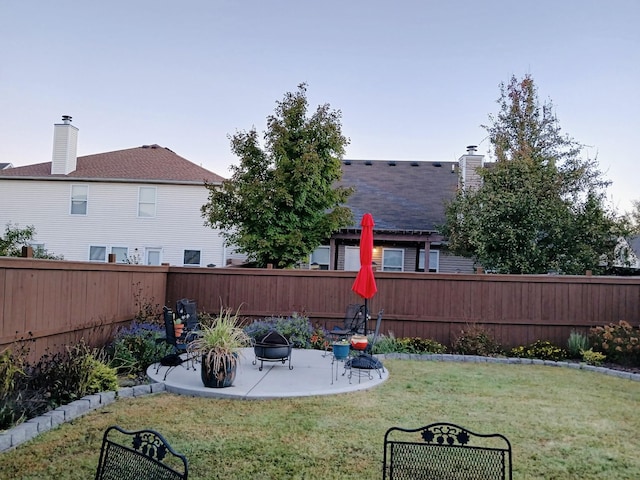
401, 195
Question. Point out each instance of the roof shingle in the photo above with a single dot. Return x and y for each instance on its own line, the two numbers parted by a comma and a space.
149, 162
401, 195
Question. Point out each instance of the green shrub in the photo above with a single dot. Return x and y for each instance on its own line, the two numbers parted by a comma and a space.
296, 328
476, 340
576, 343
136, 347
619, 342
385, 344
541, 350
593, 358
419, 345
101, 377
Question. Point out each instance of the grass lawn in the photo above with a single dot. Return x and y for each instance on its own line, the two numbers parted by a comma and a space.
562, 424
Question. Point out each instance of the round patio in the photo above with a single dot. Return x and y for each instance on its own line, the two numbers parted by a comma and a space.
313, 374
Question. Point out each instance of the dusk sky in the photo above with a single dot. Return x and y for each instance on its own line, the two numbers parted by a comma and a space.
415, 80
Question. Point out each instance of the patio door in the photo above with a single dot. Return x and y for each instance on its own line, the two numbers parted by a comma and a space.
352, 259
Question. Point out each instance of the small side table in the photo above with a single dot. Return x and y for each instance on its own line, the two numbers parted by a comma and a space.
339, 353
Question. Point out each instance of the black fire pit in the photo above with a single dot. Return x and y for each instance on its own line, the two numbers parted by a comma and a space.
273, 347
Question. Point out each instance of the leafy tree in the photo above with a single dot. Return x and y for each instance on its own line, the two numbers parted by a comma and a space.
15, 238
282, 200
541, 206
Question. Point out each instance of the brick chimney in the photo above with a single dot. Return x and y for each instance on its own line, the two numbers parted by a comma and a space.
65, 144
469, 163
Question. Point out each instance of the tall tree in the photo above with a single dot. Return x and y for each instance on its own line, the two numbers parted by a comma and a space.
282, 200
541, 206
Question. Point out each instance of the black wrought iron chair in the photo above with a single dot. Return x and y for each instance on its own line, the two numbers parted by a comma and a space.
179, 345
187, 310
354, 322
139, 455
445, 450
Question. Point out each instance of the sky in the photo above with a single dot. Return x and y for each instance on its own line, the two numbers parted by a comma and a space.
414, 80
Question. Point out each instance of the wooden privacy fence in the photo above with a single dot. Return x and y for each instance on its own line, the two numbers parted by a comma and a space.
58, 302
517, 309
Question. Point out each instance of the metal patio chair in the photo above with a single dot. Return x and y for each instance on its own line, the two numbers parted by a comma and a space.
445, 450
139, 455
354, 322
179, 345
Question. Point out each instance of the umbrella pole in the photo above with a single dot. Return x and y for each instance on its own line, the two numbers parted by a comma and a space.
366, 315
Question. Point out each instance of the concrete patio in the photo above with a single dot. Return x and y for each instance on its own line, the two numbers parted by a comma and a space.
312, 374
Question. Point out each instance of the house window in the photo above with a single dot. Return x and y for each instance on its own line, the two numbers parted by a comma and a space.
147, 202
153, 256
97, 253
434, 261
121, 253
192, 258
352, 259
79, 197
320, 259
392, 259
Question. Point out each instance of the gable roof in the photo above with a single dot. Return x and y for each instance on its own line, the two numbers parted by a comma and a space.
402, 196
145, 163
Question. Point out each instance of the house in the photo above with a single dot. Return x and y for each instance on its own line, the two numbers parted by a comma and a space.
407, 201
141, 205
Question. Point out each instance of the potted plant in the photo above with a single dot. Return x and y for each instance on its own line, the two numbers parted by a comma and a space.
178, 326
219, 344
340, 349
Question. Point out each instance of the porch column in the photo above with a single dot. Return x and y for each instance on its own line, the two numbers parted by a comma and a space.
427, 247
333, 254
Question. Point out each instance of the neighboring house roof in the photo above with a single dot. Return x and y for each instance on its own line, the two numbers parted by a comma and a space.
5, 165
146, 163
402, 196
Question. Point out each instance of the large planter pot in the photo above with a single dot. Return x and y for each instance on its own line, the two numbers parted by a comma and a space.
224, 377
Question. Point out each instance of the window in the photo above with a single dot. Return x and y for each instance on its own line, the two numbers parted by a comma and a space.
38, 249
153, 256
79, 196
319, 259
192, 258
97, 253
434, 261
147, 202
392, 259
121, 253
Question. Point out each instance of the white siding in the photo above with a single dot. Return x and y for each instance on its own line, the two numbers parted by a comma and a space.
112, 219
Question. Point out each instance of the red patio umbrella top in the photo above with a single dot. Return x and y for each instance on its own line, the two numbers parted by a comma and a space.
365, 283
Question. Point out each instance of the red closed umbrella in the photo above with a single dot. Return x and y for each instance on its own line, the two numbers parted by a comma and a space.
365, 283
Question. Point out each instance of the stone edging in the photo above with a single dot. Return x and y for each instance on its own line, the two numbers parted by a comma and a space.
31, 428
446, 357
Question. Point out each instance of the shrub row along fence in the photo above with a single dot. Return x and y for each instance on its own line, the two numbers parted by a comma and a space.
56, 302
